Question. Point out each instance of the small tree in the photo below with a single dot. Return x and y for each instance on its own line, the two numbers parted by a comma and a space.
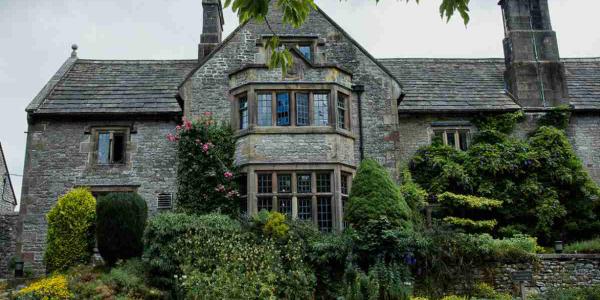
205, 167
374, 196
70, 230
120, 226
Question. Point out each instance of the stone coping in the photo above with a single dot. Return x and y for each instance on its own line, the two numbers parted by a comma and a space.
569, 256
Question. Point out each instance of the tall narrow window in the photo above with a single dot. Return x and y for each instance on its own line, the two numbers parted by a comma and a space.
304, 184
302, 118
285, 206
243, 112
321, 109
324, 213
341, 111
305, 208
283, 109
265, 185
265, 110
324, 183
111, 147
284, 183
243, 189
344, 185
265, 188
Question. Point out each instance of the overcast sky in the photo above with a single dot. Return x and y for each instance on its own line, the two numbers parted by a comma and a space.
36, 36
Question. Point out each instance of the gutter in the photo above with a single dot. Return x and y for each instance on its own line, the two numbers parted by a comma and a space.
359, 89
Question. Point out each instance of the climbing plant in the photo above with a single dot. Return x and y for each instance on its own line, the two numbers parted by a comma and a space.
205, 168
541, 182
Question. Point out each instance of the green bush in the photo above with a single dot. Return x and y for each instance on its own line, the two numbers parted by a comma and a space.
70, 238
589, 246
573, 293
125, 281
473, 211
162, 251
375, 195
205, 167
120, 226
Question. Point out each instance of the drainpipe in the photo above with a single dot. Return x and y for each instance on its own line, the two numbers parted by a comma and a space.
359, 89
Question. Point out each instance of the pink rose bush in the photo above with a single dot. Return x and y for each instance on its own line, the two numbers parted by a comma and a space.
206, 174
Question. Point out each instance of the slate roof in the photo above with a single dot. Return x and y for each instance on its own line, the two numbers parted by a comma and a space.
115, 86
583, 81
439, 84
442, 84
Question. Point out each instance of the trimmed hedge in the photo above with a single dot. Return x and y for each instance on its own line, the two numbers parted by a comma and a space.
120, 226
70, 230
374, 195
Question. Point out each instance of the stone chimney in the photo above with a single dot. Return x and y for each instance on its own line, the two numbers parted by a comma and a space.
534, 74
212, 27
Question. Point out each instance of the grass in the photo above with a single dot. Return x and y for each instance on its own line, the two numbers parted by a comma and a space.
588, 247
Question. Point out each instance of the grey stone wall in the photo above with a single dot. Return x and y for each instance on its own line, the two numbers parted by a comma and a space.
7, 196
584, 133
8, 242
208, 88
58, 159
550, 271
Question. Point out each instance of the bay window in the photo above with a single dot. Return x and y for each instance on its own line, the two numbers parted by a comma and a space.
321, 109
283, 109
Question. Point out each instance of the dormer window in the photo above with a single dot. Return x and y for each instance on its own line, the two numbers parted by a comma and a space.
306, 50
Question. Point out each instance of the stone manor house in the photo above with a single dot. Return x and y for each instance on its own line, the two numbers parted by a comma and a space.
300, 135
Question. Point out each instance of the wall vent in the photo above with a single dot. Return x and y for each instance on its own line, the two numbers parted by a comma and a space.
165, 201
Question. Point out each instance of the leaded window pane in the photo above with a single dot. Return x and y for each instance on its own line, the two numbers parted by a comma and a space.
341, 111
304, 183
243, 113
306, 51
450, 138
464, 140
265, 110
321, 110
344, 184
284, 183
324, 213
264, 203
324, 183
283, 109
305, 208
265, 183
285, 206
302, 118
103, 147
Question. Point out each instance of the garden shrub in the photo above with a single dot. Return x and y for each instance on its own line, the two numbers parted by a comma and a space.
414, 196
70, 238
545, 189
573, 293
162, 251
590, 247
239, 265
125, 281
120, 226
374, 195
205, 167
55, 287
470, 209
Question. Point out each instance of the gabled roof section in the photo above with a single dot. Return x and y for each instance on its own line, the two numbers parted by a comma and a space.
583, 81
10, 196
318, 10
437, 84
84, 86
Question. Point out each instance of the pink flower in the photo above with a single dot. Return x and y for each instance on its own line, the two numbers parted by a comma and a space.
220, 188
171, 137
206, 147
178, 127
187, 124
207, 113
228, 175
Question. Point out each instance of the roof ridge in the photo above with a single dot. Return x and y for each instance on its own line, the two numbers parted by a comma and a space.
443, 58
88, 60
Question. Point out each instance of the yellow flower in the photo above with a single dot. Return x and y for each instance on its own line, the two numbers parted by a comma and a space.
51, 288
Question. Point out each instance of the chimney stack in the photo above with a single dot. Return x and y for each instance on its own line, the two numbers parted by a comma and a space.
534, 75
212, 27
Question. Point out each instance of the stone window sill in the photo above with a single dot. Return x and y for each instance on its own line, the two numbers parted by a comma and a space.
295, 130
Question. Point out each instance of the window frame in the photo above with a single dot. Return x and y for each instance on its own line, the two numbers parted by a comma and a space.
456, 131
243, 110
112, 132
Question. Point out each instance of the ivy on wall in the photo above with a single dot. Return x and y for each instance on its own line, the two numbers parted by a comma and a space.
541, 182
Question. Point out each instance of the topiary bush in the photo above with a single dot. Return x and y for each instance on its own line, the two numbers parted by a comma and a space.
70, 238
374, 195
120, 226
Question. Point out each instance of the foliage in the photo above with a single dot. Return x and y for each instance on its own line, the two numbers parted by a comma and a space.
465, 205
205, 168
161, 250
545, 190
383, 281
484, 291
272, 223
70, 230
413, 194
557, 117
120, 226
590, 246
53, 287
125, 281
373, 196
573, 293
238, 264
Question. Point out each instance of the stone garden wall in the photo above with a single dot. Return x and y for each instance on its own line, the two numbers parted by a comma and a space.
550, 271
8, 241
